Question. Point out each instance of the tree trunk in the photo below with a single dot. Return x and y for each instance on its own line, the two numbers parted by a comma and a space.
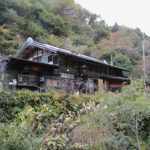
137, 137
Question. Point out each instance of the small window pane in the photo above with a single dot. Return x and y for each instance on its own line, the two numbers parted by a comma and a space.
45, 60
50, 58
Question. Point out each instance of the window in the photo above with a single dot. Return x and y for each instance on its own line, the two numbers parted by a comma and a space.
28, 80
67, 75
48, 59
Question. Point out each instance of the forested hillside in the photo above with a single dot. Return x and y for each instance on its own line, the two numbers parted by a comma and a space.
65, 24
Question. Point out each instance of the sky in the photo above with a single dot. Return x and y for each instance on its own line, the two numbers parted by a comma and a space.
131, 13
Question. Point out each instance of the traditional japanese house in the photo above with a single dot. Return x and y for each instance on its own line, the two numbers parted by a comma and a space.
42, 67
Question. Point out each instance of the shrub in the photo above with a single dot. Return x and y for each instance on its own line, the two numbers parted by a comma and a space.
60, 121
14, 137
12, 103
121, 120
44, 119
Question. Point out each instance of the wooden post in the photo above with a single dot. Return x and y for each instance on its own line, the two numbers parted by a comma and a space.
100, 86
106, 85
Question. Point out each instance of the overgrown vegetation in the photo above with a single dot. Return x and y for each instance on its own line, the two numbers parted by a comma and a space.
30, 120
59, 121
121, 121
44, 121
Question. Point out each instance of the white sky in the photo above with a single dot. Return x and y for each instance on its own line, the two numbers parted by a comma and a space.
131, 13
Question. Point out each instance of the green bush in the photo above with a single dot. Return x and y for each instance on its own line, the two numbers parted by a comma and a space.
121, 120
44, 119
60, 121
11, 103
14, 137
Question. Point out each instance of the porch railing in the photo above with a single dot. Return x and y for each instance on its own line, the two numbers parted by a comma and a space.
27, 80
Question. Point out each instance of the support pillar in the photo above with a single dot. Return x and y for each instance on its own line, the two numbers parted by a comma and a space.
106, 85
100, 86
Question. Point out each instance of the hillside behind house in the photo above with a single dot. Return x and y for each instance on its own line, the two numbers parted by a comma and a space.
65, 24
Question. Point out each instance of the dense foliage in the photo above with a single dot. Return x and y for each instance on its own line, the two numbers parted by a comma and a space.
13, 102
112, 121
30, 120
64, 23
60, 121
120, 121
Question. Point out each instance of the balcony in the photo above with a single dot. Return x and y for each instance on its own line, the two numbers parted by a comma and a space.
27, 80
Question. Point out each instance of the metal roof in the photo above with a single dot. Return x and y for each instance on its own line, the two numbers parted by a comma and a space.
4, 58
32, 43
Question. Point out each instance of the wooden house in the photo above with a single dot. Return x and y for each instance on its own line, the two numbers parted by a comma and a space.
42, 67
